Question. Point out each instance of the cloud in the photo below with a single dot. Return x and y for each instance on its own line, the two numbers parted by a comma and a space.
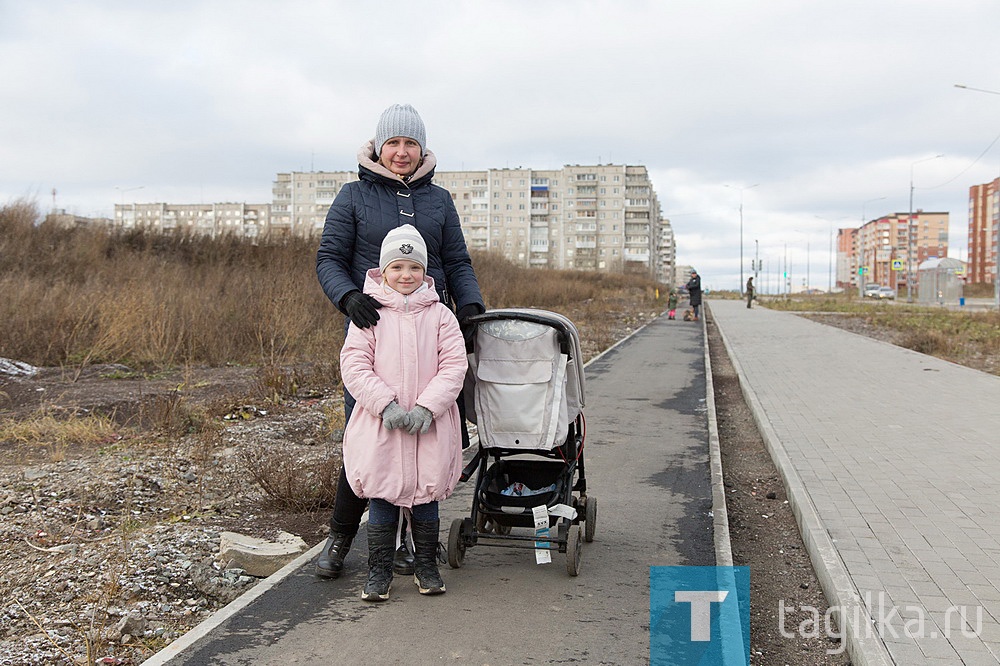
825, 105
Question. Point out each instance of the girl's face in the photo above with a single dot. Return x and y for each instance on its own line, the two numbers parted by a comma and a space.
400, 155
404, 276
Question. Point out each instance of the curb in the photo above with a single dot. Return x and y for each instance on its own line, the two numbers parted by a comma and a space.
239, 603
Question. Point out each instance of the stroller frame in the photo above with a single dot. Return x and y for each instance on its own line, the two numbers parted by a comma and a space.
494, 515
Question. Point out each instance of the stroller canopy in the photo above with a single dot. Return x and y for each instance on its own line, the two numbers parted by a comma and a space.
527, 369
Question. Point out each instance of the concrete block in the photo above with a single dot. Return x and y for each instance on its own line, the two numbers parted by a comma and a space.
258, 557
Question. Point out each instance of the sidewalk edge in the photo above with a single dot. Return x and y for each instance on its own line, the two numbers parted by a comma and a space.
239, 603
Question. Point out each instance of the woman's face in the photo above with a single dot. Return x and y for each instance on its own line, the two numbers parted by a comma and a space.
400, 155
404, 276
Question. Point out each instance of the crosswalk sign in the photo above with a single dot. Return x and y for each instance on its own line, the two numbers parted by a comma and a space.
897, 264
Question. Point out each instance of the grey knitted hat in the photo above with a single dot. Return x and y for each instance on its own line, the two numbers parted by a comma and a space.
400, 120
403, 242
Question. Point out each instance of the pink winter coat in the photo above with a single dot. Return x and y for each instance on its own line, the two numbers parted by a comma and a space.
414, 355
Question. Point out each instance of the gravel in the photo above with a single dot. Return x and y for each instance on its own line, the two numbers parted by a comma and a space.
109, 552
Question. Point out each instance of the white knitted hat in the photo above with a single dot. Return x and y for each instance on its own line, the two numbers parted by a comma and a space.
400, 120
403, 242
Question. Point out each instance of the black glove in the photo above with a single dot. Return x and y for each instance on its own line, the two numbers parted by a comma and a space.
468, 327
361, 308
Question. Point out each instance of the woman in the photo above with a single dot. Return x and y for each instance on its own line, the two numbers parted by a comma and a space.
395, 188
694, 293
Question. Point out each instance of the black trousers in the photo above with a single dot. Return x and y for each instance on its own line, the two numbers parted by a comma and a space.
348, 507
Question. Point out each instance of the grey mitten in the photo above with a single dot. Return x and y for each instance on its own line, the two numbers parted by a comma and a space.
394, 416
420, 420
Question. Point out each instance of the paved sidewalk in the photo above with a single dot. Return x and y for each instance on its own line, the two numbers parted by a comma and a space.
890, 459
647, 461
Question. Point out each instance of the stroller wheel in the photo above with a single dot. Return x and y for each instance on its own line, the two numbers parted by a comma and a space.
573, 550
502, 530
590, 520
456, 545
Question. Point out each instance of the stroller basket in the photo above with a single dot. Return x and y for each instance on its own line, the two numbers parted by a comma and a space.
515, 509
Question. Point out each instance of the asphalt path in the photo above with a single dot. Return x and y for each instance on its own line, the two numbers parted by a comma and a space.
647, 464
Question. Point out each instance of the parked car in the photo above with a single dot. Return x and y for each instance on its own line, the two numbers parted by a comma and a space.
871, 290
885, 292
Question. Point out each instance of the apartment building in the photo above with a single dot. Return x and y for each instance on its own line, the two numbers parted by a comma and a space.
883, 247
984, 222
667, 255
216, 219
602, 217
300, 200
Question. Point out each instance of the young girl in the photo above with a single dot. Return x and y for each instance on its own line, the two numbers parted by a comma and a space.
403, 448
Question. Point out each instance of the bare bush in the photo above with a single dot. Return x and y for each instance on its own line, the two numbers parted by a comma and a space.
304, 483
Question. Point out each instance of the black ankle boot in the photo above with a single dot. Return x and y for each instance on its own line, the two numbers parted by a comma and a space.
425, 547
381, 546
402, 560
331, 560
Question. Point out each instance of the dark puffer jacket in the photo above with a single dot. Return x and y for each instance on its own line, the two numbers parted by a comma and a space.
366, 210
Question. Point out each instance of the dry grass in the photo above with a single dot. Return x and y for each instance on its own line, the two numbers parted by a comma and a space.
78, 297
74, 297
58, 434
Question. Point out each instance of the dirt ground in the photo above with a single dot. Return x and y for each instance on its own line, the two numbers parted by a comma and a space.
109, 549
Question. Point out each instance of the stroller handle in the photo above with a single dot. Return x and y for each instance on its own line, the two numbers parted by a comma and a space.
564, 328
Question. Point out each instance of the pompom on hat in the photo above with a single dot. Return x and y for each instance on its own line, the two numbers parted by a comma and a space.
400, 120
403, 242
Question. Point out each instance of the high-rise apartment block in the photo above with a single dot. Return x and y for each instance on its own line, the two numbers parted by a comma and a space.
595, 217
984, 222
603, 217
888, 248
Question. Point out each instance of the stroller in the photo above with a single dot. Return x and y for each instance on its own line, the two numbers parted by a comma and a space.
525, 393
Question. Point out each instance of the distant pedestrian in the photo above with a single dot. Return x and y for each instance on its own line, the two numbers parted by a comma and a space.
750, 291
694, 293
672, 304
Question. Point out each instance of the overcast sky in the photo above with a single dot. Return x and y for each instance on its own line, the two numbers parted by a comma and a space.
825, 107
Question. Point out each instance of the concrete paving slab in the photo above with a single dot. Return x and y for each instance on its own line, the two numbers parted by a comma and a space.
890, 460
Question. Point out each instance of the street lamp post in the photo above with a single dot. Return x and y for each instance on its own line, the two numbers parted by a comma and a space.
829, 277
756, 264
996, 234
741, 189
910, 234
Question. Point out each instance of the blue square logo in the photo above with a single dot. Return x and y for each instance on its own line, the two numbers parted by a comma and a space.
699, 616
